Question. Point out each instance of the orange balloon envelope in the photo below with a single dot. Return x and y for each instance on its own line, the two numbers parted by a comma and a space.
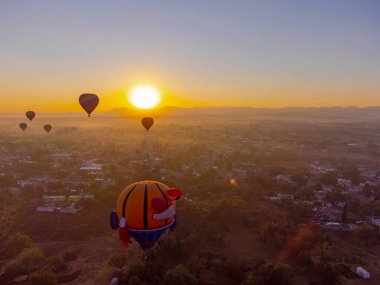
47, 128
30, 115
23, 126
147, 122
145, 210
89, 102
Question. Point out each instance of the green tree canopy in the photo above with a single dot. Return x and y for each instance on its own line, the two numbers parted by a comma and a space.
118, 260
43, 277
16, 243
179, 275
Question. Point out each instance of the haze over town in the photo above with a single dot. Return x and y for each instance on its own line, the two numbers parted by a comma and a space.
189, 142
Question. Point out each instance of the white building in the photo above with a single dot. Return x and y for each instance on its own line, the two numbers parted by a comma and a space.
283, 178
45, 209
375, 221
363, 273
344, 183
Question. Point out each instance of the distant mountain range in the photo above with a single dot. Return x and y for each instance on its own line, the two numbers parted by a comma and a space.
349, 113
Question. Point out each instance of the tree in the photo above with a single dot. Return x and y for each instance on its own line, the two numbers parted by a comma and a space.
270, 274
134, 280
328, 274
13, 270
367, 233
344, 214
272, 233
328, 178
56, 264
16, 243
118, 260
179, 275
137, 269
43, 277
367, 191
34, 260
334, 196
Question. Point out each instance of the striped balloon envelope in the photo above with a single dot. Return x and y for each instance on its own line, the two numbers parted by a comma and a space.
145, 210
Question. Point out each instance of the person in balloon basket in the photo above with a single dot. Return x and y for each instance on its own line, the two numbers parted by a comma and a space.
145, 210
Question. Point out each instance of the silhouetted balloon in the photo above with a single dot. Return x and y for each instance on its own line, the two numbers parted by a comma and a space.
47, 128
89, 102
147, 122
23, 126
30, 115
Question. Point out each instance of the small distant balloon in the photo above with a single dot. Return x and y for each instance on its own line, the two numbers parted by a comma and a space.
30, 115
147, 122
89, 102
23, 126
47, 128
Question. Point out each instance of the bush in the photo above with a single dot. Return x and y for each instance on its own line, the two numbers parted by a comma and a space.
56, 264
179, 275
34, 260
137, 269
43, 277
16, 243
118, 260
134, 280
270, 274
368, 234
327, 274
13, 270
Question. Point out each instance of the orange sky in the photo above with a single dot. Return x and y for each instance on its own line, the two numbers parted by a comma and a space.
202, 53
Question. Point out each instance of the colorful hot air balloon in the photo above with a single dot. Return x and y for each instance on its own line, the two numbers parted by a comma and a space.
89, 102
30, 115
23, 126
145, 210
47, 128
147, 122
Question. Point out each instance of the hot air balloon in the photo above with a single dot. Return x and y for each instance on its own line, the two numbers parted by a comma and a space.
47, 128
147, 122
89, 102
145, 210
30, 115
23, 126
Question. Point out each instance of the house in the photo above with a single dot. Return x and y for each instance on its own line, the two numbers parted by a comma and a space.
285, 196
283, 178
91, 167
332, 226
240, 173
355, 189
369, 174
363, 273
45, 209
344, 183
53, 198
375, 220
70, 209
330, 214
15, 191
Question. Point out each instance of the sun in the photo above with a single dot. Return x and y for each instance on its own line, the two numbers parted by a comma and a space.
144, 97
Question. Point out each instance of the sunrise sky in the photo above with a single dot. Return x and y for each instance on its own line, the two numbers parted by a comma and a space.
197, 53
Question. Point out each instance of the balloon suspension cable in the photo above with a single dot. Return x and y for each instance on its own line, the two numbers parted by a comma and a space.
165, 239
146, 145
148, 253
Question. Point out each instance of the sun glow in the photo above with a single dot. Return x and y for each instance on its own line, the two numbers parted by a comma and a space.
144, 97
